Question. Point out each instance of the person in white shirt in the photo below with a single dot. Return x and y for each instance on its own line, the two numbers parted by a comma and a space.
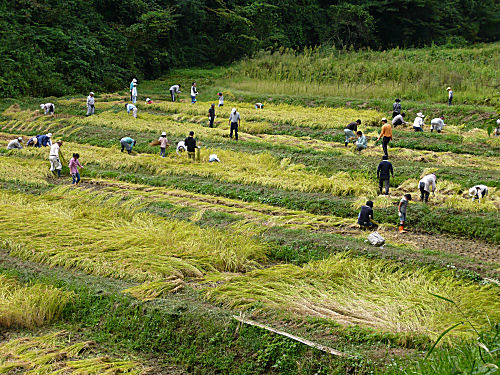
90, 104
213, 158
478, 191
259, 105
450, 95
48, 108
15, 143
437, 124
181, 147
194, 92
399, 120
134, 92
221, 99
175, 89
55, 163
132, 87
418, 124
131, 108
496, 133
234, 122
425, 185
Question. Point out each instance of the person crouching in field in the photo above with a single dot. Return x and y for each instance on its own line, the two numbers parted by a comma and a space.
399, 120
418, 123
131, 108
74, 163
48, 108
55, 162
350, 131
425, 185
163, 144
365, 217
127, 143
403, 204
361, 142
478, 191
15, 143
437, 124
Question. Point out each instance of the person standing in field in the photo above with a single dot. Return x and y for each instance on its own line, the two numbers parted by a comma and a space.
211, 115
365, 217
134, 91
15, 144
478, 191
361, 143
418, 123
399, 120
437, 124
74, 163
350, 131
175, 89
221, 99
90, 104
385, 134
132, 87
163, 144
44, 140
194, 92
384, 172
450, 95
425, 185
127, 143
234, 122
48, 108
396, 107
403, 204
55, 162
131, 108
190, 143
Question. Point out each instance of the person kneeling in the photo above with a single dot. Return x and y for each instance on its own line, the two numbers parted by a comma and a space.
365, 217
361, 142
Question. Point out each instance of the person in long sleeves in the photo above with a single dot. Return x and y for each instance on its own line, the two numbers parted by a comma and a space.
190, 143
44, 140
234, 123
361, 142
403, 204
134, 93
163, 144
478, 191
15, 144
384, 172
48, 108
90, 104
418, 123
365, 217
127, 143
399, 120
386, 134
350, 131
426, 184
221, 99
450, 95
496, 133
396, 107
131, 108
175, 89
181, 147
211, 115
74, 163
194, 92
55, 162
132, 87
437, 124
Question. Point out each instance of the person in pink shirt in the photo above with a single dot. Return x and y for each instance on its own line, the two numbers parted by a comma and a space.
73, 168
163, 144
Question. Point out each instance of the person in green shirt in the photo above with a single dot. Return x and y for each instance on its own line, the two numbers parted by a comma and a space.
361, 142
127, 144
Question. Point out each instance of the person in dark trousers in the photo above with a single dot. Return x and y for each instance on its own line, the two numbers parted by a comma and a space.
211, 115
403, 204
386, 133
350, 131
175, 89
426, 185
450, 95
190, 143
234, 122
396, 107
365, 217
384, 172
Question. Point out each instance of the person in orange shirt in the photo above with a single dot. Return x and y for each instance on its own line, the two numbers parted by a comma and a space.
386, 133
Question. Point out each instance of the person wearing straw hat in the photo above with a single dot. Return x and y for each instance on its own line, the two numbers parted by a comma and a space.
163, 143
450, 95
134, 91
44, 140
132, 87
386, 134
234, 122
15, 143
396, 107
48, 108
418, 123
55, 162
90, 104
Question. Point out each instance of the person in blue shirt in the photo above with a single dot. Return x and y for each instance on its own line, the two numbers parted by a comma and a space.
44, 140
127, 143
361, 142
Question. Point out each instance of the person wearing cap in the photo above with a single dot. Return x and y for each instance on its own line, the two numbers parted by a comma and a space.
385, 134
221, 99
418, 123
48, 108
425, 184
174, 89
132, 87
399, 120
134, 91
350, 131
478, 191
90, 104
55, 162
259, 106
131, 108
190, 143
437, 124
384, 172
365, 217
213, 158
450, 95
403, 204
15, 143
194, 92
361, 142
211, 115
396, 107
234, 122
149, 101
44, 140
33, 141
163, 143
127, 143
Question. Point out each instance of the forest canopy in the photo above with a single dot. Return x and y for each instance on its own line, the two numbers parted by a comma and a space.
59, 47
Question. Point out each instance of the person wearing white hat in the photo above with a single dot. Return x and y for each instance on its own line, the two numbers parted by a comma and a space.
134, 91
55, 162
15, 143
478, 191
48, 108
90, 104
149, 101
450, 95
213, 158
132, 87
163, 143
44, 140
437, 124
234, 122
496, 133
418, 123
131, 108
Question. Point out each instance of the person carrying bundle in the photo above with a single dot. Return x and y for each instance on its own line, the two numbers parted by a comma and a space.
425, 185
478, 191
350, 131
15, 144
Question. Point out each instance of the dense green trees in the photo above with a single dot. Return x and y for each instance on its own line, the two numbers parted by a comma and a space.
53, 47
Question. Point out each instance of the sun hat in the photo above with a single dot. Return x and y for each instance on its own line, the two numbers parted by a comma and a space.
20, 139
383, 119
448, 88
49, 135
91, 93
163, 133
420, 114
42, 106
233, 110
134, 80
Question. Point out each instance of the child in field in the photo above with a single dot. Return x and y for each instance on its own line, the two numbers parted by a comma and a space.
73, 168
221, 100
403, 204
163, 144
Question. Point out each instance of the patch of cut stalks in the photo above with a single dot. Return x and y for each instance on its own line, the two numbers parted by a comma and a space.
23, 171
156, 289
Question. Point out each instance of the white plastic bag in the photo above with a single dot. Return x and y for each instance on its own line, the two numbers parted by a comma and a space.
376, 239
